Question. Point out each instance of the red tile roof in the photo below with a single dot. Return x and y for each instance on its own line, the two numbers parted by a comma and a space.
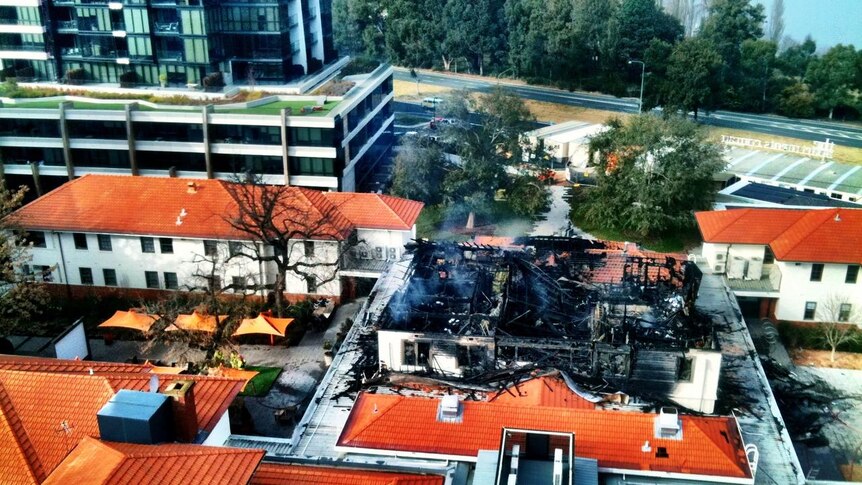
278, 474
45, 414
710, 445
543, 391
107, 463
42, 364
104, 203
824, 236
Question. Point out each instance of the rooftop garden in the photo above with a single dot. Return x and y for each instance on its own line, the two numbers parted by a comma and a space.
300, 107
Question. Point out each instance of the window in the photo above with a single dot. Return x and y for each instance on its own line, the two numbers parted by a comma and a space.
86, 276
234, 248
311, 282
685, 367
816, 272
844, 312
214, 283
166, 245
110, 276
39, 273
810, 309
152, 278
104, 242
171, 281
416, 353
147, 245
309, 248
210, 248
852, 273
37, 239
239, 283
80, 240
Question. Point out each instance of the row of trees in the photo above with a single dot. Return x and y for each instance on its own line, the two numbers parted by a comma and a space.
724, 58
490, 160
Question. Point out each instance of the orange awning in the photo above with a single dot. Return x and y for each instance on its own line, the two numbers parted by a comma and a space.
131, 319
263, 325
196, 322
223, 371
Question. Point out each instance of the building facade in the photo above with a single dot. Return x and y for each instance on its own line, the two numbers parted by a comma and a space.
93, 232
323, 142
796, 265
180, 41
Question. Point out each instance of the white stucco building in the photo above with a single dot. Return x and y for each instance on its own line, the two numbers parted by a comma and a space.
177, 234
798, 265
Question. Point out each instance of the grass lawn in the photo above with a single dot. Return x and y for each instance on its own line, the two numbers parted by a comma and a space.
406, 90
842, 153
559, 113
669, 243
262, 382
275, 108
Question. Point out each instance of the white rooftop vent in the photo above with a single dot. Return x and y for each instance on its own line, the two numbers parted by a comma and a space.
667, 424
449, 410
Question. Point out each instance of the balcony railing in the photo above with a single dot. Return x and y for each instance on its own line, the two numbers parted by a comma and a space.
23, 48
19, 22
67, 25
167, 27
369, 264
170, 55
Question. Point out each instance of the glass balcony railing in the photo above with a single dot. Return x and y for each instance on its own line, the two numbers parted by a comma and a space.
170, 55
67, 24
28, 47
167, 27
19, 22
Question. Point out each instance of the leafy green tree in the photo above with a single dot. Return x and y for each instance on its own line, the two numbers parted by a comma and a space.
794, 60
656, 87
729, 24
651, 175
776, 21
527, 196
796, 101
359, 26
641, 21
420, 168
692, 77
22, 297
413, 32
590, 27
832, 77
475, 29
757, 68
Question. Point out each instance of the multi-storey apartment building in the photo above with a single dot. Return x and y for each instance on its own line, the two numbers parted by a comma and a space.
330, 143
183, 40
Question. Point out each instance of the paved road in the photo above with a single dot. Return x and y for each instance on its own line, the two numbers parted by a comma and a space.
839, 133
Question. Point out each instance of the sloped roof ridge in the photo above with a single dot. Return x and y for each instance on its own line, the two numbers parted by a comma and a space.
8, 414
732, 458
395, 400
804, 236
387, 202
739, 213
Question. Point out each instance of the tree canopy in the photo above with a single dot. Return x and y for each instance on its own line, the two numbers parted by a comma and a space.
651, 175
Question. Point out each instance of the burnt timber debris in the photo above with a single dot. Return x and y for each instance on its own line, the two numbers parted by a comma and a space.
612, 317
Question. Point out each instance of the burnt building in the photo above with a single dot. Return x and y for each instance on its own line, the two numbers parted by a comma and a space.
612, 317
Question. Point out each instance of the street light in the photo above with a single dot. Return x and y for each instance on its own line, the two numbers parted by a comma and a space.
504, 72
643, 73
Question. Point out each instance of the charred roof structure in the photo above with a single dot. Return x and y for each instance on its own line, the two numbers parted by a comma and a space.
610, 315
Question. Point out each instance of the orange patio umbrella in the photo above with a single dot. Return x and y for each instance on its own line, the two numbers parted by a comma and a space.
263, 325
131, 319
196, 321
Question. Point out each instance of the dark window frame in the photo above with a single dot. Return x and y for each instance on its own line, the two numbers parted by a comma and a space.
110, 276
852, 275
817, 272
166, 245
152, 279
210, 247
80, 240
810, 310
148, 245
104, 241
172, 282
86, 275
844, 311
308, 248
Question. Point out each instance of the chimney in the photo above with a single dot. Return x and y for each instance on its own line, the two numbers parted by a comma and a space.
185, 413
450, 410
192, 188
668, 423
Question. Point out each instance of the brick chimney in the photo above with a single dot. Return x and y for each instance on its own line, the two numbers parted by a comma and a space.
185, 413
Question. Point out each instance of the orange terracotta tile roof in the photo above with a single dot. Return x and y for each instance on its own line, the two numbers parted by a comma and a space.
616, 259
45, 414
42, 364
103, 203
108, 463
827, 236
543, 391
278, 474
710, 445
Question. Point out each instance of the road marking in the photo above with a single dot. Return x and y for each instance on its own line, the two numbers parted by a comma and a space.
844, 177
789, 168
815, 172
740, 159
763, 164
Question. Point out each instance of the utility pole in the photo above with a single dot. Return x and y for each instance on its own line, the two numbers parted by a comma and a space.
643, 73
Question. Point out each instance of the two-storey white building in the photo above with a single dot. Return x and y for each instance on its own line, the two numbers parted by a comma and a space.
179, 234
795, 264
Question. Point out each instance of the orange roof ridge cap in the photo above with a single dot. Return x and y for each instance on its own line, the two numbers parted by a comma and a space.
22, 438
802, 239
395, 400
385, 202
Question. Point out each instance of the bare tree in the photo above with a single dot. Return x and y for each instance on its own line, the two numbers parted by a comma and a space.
840, 323
776, 21
288, 233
